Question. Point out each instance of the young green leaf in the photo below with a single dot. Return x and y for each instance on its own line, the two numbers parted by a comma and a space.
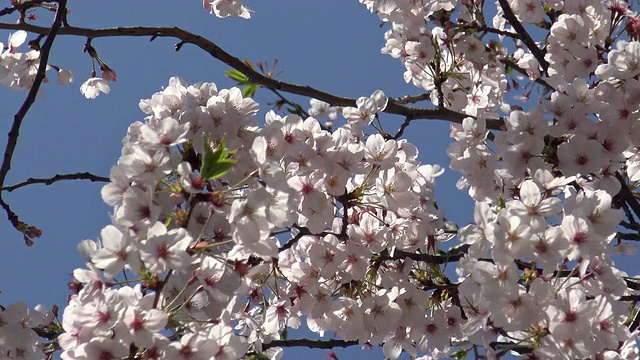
217, 163
237, 76
249, 90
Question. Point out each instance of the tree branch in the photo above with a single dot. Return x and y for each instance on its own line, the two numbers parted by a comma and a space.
405, 124
58, 177
286, 101
510, 64
14, 133
450, 256
627, 195
302, 231
632, 283
22, 7
628, 236
523, 34
410, 99
312, 344
633, 298
488, 29
185, 37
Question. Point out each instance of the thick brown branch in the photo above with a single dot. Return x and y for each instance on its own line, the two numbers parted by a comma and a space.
631, 225
312, 344
632, 283
411, 99
628, 236
453, 255
22, 7
633, 298
14, 133
33, 92
185, 37
58, 177
523, 34
627, 195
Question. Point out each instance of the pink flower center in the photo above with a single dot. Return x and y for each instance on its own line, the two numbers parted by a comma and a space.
162, 251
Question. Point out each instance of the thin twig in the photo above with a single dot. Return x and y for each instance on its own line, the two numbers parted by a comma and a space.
488, 29
447, 257
185, 37
405, 124
284, 100
302, 231
22, 7
524, 35
58, 177
510, 64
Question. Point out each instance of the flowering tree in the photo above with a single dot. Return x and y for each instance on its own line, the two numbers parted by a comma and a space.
228, 229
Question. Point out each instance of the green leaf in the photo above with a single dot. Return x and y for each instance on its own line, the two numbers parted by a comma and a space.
284, 334
222, 168
501, 203
249, 90
257, 357
237, 76
209, 160
461, 354
217, 163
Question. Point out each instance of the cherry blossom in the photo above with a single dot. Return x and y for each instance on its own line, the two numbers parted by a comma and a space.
94, 86
230, 228
225, 8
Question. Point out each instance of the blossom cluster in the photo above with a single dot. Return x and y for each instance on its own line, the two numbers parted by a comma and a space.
544, 184
226, 8
227, 231
344, 198
18, 70
18, 336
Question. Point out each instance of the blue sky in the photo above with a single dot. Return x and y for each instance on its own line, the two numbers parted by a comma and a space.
331, 45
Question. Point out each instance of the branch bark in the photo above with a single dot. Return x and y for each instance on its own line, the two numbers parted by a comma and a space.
393, 107
58, 177
312, 344
523, 34
627, 195
22, 7
448, 257
14, 133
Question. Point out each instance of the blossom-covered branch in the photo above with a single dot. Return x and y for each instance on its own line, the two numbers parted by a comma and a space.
523, 34
14, 133
205, 193
214, 50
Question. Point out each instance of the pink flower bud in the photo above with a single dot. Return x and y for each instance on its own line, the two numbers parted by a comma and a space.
108, 73
64, 76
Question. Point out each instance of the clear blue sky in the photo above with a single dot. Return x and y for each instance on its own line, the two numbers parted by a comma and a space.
331, 45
